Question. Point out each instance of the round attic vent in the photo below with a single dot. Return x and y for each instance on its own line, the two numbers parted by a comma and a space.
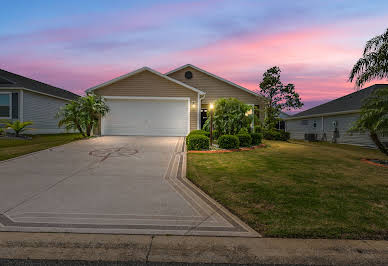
188, 75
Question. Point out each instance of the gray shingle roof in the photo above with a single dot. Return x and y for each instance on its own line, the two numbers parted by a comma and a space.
8, 79
348, 102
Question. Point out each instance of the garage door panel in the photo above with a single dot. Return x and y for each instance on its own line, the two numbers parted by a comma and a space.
146, 117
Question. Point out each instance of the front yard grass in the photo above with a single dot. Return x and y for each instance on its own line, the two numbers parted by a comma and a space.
298, 189
10, 148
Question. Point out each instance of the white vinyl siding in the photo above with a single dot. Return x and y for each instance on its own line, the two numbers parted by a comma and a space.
147, 117
297, 129
41, 110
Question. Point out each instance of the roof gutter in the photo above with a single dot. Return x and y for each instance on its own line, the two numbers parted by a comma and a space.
324, 114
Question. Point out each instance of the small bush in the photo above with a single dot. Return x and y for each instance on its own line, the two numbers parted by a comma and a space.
243, 130
274, 134
256, 138
284, 135
245, 140
228, 142
257, 129
197, 142
216, 134
199, 132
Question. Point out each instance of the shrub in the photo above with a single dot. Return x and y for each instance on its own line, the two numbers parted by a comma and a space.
18, 127
245, 140
274, 134
216, 134
197, 142
257, 129
284, 135
256, 138
228, 142
243, 130
199, 132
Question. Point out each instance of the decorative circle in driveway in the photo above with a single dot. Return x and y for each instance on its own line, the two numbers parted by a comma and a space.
114, 152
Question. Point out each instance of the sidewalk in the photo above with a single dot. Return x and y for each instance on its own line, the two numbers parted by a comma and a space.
192, 249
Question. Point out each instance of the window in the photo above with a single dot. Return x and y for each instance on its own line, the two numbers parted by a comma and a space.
5, 105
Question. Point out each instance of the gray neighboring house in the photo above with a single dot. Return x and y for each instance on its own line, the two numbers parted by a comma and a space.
26, 99
331, 121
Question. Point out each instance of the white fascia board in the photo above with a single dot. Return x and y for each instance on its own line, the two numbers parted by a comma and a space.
139, 71
214, 76
146, 98
324, 114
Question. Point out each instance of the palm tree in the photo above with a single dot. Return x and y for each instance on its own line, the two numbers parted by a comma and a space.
92, 108
374, 117
69, 116
18, 127
374, 61
83, 114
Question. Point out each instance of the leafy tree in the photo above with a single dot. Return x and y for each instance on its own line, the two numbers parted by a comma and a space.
374, 117
279, 96
374, 62
83, 114
18, 127
230, 115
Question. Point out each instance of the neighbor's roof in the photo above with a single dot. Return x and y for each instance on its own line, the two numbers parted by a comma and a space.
350, 102
11, 80
139, 71
214, 76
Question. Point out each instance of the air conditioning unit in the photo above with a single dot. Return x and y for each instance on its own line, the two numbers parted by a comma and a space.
311, 137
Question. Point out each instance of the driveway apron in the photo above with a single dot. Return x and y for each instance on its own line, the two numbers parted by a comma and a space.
115, 184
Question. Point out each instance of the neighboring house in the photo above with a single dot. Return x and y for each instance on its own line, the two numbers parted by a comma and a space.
26, 99
146, 102
332, 120
282, 124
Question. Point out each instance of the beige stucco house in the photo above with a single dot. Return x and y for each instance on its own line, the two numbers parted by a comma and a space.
147, 102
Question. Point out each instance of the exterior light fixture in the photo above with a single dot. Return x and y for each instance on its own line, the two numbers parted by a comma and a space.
211, 123
193, 104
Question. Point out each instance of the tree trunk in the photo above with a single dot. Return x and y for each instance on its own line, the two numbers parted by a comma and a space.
378, 143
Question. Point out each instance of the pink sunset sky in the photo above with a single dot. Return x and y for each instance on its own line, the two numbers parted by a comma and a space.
76, 46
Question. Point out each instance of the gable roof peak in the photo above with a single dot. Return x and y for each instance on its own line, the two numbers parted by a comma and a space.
139, 70
214, 76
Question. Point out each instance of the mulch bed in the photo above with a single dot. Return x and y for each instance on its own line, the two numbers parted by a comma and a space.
377, 162
231, 150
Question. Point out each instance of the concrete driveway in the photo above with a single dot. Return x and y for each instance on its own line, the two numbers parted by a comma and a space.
132, 185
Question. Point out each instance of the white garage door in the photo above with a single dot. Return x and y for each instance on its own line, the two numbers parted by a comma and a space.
147, 117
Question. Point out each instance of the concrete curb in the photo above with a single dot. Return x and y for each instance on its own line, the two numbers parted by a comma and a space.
190, 249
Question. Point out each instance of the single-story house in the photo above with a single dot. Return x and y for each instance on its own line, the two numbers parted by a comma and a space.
147, 102
332, 120
25, 99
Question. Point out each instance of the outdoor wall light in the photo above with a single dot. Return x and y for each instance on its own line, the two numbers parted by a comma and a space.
193, 104
211, 106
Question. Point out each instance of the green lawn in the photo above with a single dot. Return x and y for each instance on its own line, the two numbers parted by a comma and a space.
298, 189
10, 148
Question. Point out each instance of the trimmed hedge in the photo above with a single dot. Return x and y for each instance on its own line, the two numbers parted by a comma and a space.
228, 142
197, 142
256, 138
243, 130
257, 129
245, 139
199, 132
274, 134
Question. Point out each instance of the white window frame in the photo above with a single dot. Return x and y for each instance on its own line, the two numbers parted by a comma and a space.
10, 105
